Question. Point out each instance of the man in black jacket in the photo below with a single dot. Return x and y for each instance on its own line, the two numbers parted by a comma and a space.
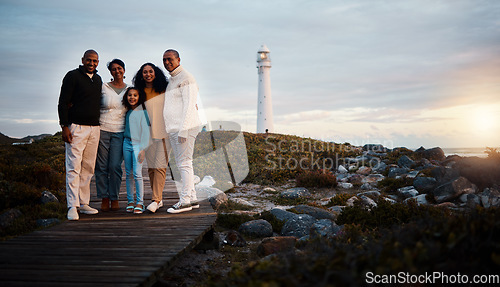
79, 110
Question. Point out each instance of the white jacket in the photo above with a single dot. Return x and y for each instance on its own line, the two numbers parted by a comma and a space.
180, 110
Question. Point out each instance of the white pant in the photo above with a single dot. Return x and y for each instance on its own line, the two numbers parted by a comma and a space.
183, 153
81, 155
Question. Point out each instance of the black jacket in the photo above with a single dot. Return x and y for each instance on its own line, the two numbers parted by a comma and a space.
80, 98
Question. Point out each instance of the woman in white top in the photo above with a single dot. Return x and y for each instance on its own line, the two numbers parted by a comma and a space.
108, 170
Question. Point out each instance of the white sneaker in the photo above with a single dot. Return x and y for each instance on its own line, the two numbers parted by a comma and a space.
86, 209
154, 206
73, 214
178, 208
195, 204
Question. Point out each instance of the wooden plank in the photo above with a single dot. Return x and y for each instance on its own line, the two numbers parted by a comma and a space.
113, 248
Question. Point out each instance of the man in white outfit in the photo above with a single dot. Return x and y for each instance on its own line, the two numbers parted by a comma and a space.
183, 124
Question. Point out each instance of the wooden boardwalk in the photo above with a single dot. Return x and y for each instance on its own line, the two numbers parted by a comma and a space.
112, 248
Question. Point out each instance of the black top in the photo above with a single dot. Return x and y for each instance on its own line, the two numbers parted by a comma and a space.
80, 98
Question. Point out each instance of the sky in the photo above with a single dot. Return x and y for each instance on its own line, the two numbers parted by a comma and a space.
396, 72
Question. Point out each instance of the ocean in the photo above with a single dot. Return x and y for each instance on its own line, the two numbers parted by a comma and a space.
474, 151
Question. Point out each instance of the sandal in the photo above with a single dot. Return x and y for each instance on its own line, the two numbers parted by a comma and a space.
139, 209
130, 207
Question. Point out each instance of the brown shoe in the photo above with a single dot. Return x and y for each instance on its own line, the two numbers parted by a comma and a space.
105, 204
115, 205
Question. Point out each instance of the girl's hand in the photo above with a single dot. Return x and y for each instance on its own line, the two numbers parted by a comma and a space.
141, 156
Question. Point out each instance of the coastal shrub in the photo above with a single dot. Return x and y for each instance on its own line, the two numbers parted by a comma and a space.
339, 199
492, 153
316, 178
464, 243
387, 214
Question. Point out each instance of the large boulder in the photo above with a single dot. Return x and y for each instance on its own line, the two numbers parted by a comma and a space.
316, 212
256, 228
406, 161
435, 153
407, 192
445, 174
424, 184
298, 226
453, 189
283, 215
324, 228
483, 172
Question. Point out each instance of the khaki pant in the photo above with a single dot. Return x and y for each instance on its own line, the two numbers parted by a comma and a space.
81, 155
157, 160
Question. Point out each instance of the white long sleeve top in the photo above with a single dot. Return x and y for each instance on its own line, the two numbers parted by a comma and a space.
137, 128
113, 112
180, 110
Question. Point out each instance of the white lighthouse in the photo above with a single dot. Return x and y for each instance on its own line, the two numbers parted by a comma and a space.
265, 104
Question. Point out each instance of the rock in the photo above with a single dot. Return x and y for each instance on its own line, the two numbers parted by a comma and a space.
298, 226
420, 199
372, 193
412, 174
324, 228
424, 184
483, 172
283, 215
364, 170
453, 189
269, 190
366, 186
8, 217
214, 195
445, 174
47, 222
355, 179
48, 197
318, 213
345, 185
242, 201
406, 162
407, 191
390, 200
374, 147
373, 178
351, 201
368, 202
341, 169
256, 228
336, 210
233, 238
435, 153
273, 245
380, 167
397, 171
470, 200
295, 193
490, 198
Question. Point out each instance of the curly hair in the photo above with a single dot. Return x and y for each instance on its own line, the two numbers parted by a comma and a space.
159, 83
142, 98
